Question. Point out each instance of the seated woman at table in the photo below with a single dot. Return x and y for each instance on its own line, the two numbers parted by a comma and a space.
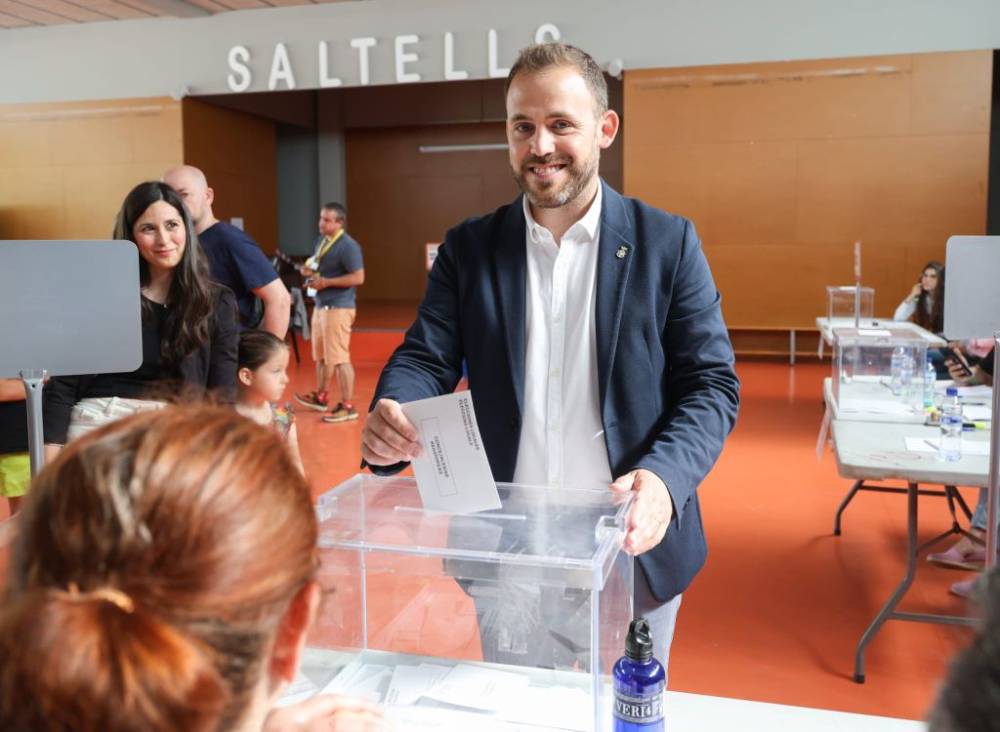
969, 551
925, 303
969, 701
163, 579
189, 332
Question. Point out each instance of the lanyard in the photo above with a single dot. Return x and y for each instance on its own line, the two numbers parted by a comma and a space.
326, 246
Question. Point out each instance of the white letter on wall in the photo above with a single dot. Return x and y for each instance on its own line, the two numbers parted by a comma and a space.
281, 69
240, 79
403, 58
363, 44
325, 80
450, 72
496, 72
547, 32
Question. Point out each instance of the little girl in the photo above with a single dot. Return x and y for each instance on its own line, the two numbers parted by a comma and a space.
262, 377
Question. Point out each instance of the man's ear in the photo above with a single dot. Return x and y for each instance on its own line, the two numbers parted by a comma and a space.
291, 639
609, 124
245, 376
209, 195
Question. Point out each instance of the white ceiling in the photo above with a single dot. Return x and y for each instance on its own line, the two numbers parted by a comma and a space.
33, 13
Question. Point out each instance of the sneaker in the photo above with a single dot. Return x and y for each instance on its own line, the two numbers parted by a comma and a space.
959, 557
340, 413
965, 588
313, 400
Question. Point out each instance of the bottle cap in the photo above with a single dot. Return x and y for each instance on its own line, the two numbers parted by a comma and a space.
639, 643
952, 391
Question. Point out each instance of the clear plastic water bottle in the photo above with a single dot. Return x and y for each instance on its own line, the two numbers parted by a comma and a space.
930, 378
896, 370
906, 377
951, 426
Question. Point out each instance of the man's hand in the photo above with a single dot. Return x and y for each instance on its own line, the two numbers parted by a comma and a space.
327, 713
389, 437
652, 509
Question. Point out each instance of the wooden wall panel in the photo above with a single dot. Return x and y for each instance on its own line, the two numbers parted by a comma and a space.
782, 166
238, 153
400, 199
66, 167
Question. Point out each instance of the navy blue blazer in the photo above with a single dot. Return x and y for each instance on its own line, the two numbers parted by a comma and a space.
668, 391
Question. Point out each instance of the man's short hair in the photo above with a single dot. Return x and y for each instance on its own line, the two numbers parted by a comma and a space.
542, 56
337, 208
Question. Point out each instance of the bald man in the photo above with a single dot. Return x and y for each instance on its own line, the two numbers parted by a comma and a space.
235, 259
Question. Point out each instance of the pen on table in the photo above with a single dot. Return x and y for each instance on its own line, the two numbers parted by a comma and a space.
970, 426
932, 444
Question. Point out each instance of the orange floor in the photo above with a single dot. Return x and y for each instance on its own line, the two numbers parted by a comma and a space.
777, 611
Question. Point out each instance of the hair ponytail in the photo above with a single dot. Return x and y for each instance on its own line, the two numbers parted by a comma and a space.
63, 656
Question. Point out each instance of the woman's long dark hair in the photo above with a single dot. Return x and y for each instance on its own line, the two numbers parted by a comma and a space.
191, 294
933, 320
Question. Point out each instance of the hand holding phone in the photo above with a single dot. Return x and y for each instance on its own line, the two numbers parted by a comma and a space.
958, 362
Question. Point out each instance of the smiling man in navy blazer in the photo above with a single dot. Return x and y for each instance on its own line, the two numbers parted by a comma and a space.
592, 331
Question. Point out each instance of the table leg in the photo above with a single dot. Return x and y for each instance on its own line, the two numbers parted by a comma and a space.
890, 605
843, 504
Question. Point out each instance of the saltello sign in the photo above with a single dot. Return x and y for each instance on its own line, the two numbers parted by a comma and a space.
282, 74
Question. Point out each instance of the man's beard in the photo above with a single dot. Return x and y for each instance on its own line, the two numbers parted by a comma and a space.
579, 175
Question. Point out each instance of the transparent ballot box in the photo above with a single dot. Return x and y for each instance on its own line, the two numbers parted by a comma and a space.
878, 373
840, 302
505, 619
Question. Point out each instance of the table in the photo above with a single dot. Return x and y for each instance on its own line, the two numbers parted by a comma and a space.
877, 451
826, 327
683, 711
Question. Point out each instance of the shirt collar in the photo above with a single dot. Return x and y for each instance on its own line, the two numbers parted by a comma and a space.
589, 222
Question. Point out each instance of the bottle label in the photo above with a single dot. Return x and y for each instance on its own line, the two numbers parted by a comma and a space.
646, 709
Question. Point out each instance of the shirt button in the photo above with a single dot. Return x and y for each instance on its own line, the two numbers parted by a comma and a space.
555, 372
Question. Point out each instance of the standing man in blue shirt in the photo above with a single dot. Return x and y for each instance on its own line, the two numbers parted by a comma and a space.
333, 272
235, 259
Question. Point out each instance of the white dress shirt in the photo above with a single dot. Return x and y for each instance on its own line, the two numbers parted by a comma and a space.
562, 437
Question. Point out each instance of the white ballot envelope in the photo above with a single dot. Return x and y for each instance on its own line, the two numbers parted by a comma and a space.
453, 474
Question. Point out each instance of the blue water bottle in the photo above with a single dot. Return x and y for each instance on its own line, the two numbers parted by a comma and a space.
639, 683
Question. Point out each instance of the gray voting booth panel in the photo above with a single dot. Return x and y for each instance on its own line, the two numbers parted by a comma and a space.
972, 287
69, 307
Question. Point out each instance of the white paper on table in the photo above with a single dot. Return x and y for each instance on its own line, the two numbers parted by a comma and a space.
980, 390
409, 683
479, 688
553, 707
363, 680
874, 406
977, 412
300, 689
874, 332
927, 444
453, 473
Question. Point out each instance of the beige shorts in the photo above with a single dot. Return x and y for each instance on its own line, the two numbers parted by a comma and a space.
331, 335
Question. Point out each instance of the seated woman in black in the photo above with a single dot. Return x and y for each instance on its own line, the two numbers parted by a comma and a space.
189, 331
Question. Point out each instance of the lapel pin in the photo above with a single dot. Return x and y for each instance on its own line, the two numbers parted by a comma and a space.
622, 251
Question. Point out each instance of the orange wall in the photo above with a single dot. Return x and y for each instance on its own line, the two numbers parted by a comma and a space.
782, 166
239, 155
66, 167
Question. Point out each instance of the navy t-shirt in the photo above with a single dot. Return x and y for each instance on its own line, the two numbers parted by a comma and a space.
343, 258
238, 263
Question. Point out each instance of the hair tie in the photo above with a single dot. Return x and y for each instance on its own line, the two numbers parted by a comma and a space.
108, 594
